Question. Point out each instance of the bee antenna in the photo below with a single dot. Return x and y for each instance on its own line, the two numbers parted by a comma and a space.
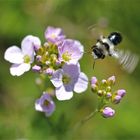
86, 52
93, 64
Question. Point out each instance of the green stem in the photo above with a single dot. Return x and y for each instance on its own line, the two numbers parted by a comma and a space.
101, 103
91, 115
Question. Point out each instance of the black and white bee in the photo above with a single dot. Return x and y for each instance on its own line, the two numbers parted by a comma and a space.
106, 46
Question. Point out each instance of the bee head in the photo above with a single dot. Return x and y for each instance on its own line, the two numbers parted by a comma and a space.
115, 38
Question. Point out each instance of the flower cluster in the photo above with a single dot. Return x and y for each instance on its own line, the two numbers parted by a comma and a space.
104, 91
57, 59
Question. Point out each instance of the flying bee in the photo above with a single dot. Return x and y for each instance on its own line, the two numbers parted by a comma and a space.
106, 46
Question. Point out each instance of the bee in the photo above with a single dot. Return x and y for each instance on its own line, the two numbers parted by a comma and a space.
106, 46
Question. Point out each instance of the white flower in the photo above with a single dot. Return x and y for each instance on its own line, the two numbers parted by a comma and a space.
21, 59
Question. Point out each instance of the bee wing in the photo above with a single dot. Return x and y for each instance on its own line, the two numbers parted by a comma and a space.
99, 28
127, 60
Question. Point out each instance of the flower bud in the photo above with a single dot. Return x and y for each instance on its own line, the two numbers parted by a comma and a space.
108, 95
53, 58
108, 89
36, 68
38, 58
104, 82
94, 80
48, 63
121, 92
111, 80
94, 88
58, 62
49, 71
100, 92
108, 112
116, 99
104, 92
46, 44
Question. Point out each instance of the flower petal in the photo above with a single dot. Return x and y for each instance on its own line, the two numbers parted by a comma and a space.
29, 44
62, 94
78, 51
57, 78
50, 109
38, 106
72, 70
14, 55
82, 83
19, 69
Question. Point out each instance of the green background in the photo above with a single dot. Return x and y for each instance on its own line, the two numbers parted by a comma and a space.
83, 20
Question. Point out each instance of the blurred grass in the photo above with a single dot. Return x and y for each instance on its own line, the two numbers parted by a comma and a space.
18, 119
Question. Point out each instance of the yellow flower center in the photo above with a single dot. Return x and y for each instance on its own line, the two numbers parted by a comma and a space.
26, 59
66, 56
53, 36
46, 103
66, 79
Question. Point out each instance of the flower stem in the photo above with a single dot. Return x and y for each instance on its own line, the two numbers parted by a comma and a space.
84, 120
92, 114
